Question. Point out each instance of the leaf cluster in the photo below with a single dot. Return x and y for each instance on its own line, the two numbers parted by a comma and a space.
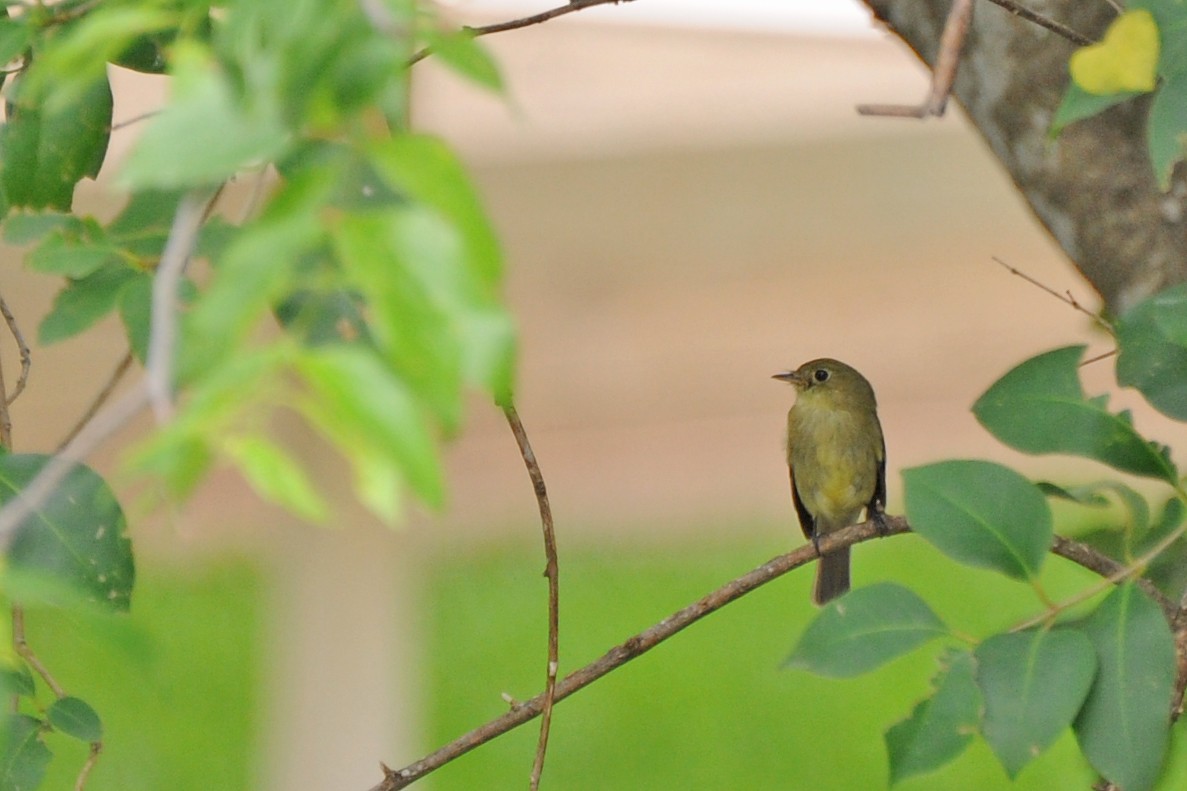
1107, 670
361, 291
371, 258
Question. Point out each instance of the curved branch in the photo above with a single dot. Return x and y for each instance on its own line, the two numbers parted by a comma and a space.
552, 572
644, 641
634, 647
1107, 567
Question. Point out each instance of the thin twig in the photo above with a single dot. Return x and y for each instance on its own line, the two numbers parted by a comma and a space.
1096, 358
85, 773
5, 418
527, 21
956, 28
1057, 28
1118, 574
1105, 566
99, 400
134, 120
22, 350
21, 645
551, 571
1065, 297
183, 235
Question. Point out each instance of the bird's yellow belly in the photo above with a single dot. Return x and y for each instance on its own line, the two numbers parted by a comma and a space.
837, 481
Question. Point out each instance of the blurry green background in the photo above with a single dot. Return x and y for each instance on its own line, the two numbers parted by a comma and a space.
684, 212
709, 709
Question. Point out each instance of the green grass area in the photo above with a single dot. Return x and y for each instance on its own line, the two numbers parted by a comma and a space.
176, 684
711, 708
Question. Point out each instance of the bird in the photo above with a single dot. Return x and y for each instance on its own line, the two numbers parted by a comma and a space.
836, 459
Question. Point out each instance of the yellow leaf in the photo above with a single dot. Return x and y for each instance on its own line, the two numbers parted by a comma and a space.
1126, 59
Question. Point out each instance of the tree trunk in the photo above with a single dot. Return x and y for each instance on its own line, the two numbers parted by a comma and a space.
1093, 187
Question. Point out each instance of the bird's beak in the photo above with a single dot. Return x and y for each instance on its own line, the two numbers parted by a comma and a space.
791, 377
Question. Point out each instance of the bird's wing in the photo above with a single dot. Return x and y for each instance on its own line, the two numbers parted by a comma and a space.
877, 503
807, 521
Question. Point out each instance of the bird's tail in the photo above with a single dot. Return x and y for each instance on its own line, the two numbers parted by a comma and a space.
832, 576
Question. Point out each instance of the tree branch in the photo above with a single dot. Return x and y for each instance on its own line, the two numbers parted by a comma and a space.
527, 21
183, 235
551, 571
634, 647
956, 29
1057, 28
644, 641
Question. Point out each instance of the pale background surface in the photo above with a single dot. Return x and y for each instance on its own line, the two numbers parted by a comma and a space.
685, 212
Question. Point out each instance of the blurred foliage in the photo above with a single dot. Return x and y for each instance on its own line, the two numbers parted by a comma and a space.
369, 256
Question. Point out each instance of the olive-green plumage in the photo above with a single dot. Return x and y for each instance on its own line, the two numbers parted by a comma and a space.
836, 457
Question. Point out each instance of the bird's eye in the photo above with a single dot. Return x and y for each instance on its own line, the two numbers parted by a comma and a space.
820, 375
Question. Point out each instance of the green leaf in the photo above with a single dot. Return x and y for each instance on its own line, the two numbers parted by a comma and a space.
15, 38
75, 251
143, 226
1124, 726
1078, 104
412, 328
205, 134
18, 680
362, 404
255, 271
1152, 351
135, 306
939, 727
1033, 683
179, 461
1093, 494
982, 514
1172, 29
1166, 127
25, 756
46, 152
83, 302
424, 168
864, 629
74, 717
461, 52
451, 253
276, 476
318, 317
1081, 495
25, 228
78, 535
1040, 407
79, 53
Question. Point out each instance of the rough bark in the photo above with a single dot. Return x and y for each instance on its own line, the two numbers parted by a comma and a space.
1093, 187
